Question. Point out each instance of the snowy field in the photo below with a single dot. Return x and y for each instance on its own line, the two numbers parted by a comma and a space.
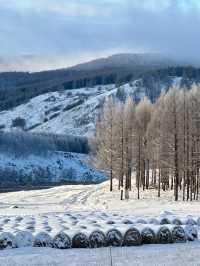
88, 198
87, 208
152, 255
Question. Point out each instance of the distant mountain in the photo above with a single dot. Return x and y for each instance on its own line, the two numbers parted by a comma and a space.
74, 112
68, 101
19, 87
150, 61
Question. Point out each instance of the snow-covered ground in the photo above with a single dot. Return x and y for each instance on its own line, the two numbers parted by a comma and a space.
152, 255
86, 208
88, 198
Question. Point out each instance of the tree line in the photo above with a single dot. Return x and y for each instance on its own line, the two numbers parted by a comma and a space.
24, 144
152, 146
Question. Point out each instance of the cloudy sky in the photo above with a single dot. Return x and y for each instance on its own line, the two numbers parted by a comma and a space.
46, 34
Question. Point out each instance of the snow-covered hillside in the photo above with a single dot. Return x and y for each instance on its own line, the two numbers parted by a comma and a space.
54, 167
71, 112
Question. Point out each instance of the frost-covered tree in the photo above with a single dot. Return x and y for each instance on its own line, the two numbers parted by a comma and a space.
105, 139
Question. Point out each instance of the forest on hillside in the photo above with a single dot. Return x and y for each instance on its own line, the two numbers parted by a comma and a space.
152, 145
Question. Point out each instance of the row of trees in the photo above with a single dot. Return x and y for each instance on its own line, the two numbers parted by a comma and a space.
152, 145
25, 143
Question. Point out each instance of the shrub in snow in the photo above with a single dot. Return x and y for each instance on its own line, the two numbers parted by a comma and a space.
132, 237
164, 235
97, 239
178, 234
148, 236
43, 240
165, 221
80, 240
7, 240
19, 122
191, 232
24, 239
176, 221
62, 241
114, 238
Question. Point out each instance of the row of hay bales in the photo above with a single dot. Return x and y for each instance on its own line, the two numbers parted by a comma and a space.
168, 220
132, 236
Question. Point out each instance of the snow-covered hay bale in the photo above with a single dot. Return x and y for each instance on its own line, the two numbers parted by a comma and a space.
62, 241
110, 222
165, 221
178, 234
148, 236
176, 221
198, 221
114, 238
80, 240
127, 221
141, 221
191, 232
191, 221
7, 240
97, 239
43, 240
153, 221
24, 239
18, 218
164, 235
132, 237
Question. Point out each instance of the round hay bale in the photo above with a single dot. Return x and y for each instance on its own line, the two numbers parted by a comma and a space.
80, 240
176, 221
127, 221
178, 234
97, 239
62, 241
141, 221
191, 232
198, 221
164, 235
7, 240
148, 236
153, 221
24, 239
132, 237
165, 221
18, 218
191, 221
110, 222
43, 240
114, 238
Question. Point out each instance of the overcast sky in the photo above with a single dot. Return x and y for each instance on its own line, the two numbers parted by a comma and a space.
46, 34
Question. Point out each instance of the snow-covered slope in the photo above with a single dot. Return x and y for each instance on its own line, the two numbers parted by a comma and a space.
54, 167
74, 111
71, 112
